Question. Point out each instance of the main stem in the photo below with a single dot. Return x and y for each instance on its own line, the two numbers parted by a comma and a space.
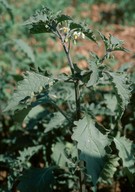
77, 100
67, 52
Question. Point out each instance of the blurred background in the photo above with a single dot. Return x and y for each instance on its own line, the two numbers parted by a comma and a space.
116, 17
21, 51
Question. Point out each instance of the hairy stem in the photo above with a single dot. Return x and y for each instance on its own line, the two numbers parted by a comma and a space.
67, 52
76, 82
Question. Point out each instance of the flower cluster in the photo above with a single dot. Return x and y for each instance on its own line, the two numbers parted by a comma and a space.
75, 35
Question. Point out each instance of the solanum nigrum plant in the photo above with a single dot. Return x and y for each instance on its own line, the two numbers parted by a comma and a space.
61, 115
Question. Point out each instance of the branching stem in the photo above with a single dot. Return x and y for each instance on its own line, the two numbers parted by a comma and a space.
104, 57
77, 99
66, 51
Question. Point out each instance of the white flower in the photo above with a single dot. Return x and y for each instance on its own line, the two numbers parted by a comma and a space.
76, 35
83, 35
65, 29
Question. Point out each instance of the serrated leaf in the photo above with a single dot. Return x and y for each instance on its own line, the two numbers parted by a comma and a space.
89, 34
74, 25
92, 144
105, 40
91, 76
61, 17
112, 43
45, 21
115, 40
110, 168
122, 89
103, 37
59, 155
125, 67
125, 151
111, 102
84, 29
32, 83
117, 43
26, 49
55, 122
37, 180
38, 23
27, 153
94, 77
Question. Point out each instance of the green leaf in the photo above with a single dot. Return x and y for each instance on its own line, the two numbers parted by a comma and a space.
38, 23
32, 84
110, 168
117, 44
84, 29
94, 77
27, 153
45, 21
125, 151
92, 144
74, 25
89, 34
105, 40
61, 17
19, 116
59, 154
26, 49
112, 43
111, 102
56, 121
34, 112
122, 89
37, 180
